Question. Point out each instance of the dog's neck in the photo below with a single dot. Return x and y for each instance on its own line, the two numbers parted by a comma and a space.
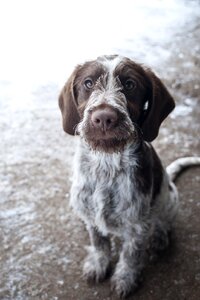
127, 156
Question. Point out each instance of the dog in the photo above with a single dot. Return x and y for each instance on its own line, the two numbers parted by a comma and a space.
120, 187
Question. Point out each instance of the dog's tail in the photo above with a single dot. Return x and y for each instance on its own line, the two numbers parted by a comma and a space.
180, 164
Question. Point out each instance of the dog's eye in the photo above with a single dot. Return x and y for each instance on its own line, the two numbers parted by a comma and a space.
129, 84
88, 83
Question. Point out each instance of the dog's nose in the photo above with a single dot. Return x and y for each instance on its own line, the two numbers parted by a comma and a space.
105, 118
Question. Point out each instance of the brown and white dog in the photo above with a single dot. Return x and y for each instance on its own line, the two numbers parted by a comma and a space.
120, 187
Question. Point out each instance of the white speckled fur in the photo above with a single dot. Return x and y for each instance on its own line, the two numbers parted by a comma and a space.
89, 198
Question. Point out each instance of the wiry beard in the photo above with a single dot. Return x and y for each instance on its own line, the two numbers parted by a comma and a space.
109, 142
109, 145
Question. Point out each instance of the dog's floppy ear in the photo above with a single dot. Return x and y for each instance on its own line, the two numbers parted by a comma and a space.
160, 104
68, 105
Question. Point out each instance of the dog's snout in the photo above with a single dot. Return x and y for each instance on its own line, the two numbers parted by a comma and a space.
104, 118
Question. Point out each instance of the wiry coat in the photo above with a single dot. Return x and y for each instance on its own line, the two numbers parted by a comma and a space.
119, 185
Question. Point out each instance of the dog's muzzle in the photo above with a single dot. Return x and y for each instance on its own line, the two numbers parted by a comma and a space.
107, 129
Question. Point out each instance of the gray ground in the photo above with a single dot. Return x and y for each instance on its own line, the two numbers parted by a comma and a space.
43, 243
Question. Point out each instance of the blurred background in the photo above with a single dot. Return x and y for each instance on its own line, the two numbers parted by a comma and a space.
42, 41
42, 242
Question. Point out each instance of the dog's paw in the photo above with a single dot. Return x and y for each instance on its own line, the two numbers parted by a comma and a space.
159, 243
124, 283
96, 266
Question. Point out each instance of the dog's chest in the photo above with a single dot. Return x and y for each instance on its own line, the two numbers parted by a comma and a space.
103, 190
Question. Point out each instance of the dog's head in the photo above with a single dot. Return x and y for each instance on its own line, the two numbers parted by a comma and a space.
108, 99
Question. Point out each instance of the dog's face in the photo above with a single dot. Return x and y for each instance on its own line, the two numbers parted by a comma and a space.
108, 99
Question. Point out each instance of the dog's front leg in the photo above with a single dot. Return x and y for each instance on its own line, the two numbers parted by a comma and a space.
128, 269
97, 262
